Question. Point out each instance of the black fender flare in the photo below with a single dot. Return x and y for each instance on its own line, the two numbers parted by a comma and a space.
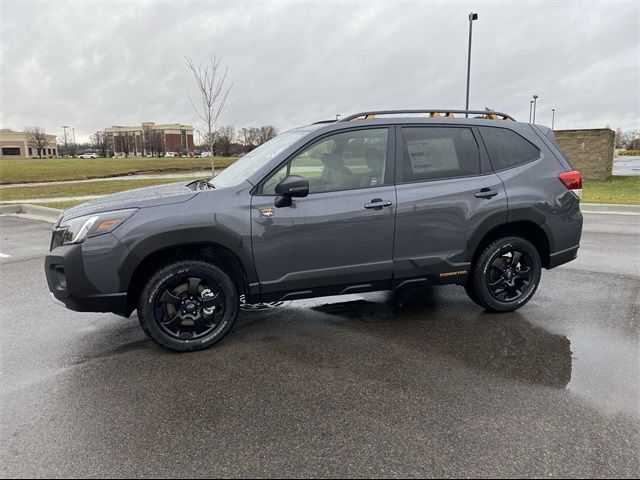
215, 235
501, 220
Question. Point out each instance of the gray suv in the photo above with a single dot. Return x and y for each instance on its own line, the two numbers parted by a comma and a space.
376, 201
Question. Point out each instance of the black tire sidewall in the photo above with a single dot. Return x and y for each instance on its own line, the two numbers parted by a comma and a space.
155, 287
482, 266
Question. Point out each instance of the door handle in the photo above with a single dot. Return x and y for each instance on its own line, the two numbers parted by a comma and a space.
486, 193
378, 204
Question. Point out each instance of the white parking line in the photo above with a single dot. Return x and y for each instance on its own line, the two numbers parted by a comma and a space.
4, 255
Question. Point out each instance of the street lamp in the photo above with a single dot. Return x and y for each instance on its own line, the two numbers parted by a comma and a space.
65, 135
535, 102
530, 109
553, 117
472, 17
337, 117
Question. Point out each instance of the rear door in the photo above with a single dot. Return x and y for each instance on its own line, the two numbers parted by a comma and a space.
341, 234
447, 193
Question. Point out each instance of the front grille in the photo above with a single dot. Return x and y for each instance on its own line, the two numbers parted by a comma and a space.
57, 237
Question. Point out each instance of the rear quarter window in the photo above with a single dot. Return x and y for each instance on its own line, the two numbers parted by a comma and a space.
507, 149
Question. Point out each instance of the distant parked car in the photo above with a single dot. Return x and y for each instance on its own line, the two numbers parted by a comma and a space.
88, 155
171, 154
205, 154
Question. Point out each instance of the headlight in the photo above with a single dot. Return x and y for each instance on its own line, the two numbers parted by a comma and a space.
78, 229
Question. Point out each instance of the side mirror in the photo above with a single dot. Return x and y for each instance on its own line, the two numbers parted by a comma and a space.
291, 186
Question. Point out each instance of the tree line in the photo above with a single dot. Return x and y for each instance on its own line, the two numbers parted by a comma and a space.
627, 140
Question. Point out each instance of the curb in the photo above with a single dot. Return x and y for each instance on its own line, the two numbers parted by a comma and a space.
34, 212
610, 208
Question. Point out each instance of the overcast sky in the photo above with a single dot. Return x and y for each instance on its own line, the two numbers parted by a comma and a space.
95, 64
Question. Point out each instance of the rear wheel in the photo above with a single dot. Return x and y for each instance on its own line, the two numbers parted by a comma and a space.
505, 275
188, 305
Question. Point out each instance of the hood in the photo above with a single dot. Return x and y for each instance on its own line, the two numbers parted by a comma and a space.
138, 198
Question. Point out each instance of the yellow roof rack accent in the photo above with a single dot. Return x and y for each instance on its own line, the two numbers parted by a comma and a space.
450, 115
370, 117
435, 115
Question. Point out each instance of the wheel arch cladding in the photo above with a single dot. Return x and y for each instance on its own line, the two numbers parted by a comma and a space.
526, 229
219, 255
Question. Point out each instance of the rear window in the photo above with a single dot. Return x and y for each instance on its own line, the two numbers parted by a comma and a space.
506, 148
431, 153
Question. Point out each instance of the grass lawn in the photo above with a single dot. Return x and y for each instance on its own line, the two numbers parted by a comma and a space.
49, 170
59, 205
620, 190
80, 189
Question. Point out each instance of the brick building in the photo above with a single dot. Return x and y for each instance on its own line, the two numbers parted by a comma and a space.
150, 139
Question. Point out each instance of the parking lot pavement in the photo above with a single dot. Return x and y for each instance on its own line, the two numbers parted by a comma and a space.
416, 384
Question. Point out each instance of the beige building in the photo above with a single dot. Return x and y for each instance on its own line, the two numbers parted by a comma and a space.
131, 141
19, 145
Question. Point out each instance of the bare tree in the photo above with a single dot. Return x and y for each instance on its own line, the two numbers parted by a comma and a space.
152, 141
37, 139
226, 136
211, 142
100, 143
266, 133
248, 138
211, 80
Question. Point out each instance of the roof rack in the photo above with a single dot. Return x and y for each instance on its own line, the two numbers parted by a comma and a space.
324, 121
489, 115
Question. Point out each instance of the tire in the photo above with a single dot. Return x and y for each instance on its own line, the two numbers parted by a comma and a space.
188, 305
468, 287
499, 285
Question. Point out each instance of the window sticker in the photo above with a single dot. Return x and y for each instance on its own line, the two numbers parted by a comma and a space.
432, 155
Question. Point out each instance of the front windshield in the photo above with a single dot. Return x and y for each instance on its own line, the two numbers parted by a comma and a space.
242, 169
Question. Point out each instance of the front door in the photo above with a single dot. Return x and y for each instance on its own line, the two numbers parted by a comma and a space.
338, 239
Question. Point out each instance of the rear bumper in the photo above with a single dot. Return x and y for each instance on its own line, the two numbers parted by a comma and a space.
564, 256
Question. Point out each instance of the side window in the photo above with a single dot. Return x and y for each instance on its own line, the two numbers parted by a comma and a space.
269, 187
345, 161
506, 148
431, 153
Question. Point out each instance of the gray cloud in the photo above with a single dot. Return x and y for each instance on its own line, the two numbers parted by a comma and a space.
92, 65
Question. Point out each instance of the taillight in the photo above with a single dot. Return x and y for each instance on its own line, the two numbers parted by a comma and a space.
573, 181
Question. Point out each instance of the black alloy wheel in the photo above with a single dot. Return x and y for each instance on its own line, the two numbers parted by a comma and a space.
505, 275
509, 275
188, 305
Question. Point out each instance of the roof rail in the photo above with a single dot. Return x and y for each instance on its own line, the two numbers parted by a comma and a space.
324, 121
489, 115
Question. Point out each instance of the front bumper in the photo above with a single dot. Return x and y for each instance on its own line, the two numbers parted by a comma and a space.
84, 277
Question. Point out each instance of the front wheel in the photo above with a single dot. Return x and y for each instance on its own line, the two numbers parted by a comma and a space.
505, 275
188, 305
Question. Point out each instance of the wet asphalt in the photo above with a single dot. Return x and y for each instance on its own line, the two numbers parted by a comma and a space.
413, 384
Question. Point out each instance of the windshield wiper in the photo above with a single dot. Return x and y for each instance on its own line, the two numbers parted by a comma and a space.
200, 184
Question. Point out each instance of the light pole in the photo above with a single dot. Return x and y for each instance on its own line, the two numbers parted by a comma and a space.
337, 117
530, 109
535, 102
553, 117
472, 17
65, 135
